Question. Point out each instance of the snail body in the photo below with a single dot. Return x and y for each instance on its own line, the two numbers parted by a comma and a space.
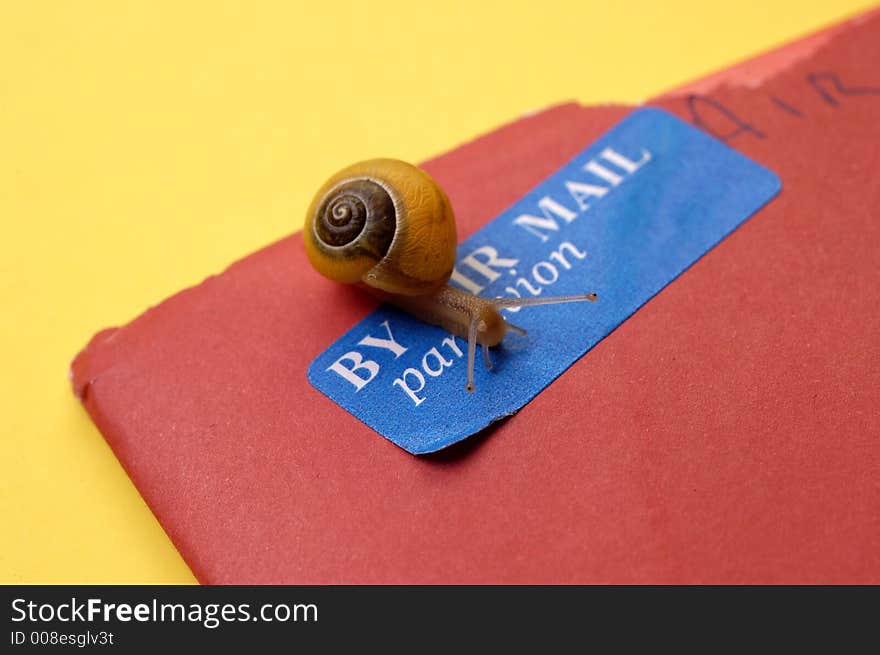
388, 226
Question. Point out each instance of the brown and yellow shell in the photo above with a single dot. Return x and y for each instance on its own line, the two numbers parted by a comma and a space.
385, 223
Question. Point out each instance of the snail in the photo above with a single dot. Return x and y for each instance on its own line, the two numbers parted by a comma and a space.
388, 226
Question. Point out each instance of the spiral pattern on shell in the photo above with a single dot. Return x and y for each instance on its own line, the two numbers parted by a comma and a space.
347, 210
342, 220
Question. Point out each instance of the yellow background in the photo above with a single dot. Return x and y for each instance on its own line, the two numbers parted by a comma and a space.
145, 145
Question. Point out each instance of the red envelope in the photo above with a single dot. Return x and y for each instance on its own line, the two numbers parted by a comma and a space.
726, 433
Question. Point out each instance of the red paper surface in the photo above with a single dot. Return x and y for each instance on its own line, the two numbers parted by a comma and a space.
727, 432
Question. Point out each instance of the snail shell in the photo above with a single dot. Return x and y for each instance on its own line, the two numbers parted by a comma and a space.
385, 223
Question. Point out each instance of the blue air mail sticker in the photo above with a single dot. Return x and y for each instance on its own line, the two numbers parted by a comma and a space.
623, 218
